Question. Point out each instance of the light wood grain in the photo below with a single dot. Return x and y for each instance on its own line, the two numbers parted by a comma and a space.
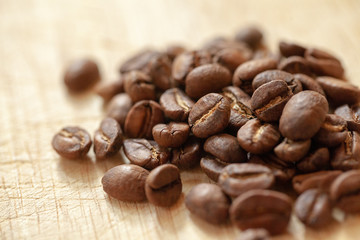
45, 197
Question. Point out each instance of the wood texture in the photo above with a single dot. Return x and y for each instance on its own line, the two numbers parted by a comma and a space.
45, 197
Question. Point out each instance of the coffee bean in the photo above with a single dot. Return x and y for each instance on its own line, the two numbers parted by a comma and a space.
252, 36
345, 191
206, 79
313, 208
332, 132
81, 74
171, 135
176, 104
254, 234
72, 142
316, 160
173, 51
263, 51
347, 155
209, 115
260, 208
142, 117
126, 182
188, 155
303, 115
291, 49
231, 58
208, 202
295, 64
269, 100
217, 44
292, 151
163, 185
320, 180
160, 71
258, 138
225, 147
351, 115
270, 75
139, 86
324, 63
108, 90
212, 167
237, 178
145, 153
308, 83
118, 108
139, 61
107, 139
338, 91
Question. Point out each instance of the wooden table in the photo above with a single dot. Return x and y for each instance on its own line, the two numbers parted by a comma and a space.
46, 197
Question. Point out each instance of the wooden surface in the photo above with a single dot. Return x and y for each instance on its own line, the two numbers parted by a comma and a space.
45, 197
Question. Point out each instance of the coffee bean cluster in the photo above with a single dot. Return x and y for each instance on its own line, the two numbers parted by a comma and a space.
265, 128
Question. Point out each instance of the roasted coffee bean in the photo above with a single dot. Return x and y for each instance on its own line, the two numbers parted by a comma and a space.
252, 36
72, 142
118, 108
176, 104
139, 61
245, 73
320, 180
81, 74
270, 75
142, 117
315, 161
187, 61
291, 49
351, 115
254, 234
237, 178
139, 86
292, 151
225, 147
212, 167
260, 208
163, 185
206, 79
347, 155
108, 138
324, 63
188, 155
313, 208
269, 100
295, 64
308, 83
231, 58
216, 44
109, 89
332, 132
160, 71
171, 135
338, 91
173, 51
208, 202
263, 51
126, 182
345, 191
258, 138
303, 115
209, 115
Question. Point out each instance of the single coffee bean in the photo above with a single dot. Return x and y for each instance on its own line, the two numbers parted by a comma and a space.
139, 86
291, 49
324, 63
108, 90
351, 115
171, 135
345, 191
308, 83
145, 153
225, 147
139, 61
209, 115
108, 138
188, 155
292, 151
72, 142
332, 132
160, 71
316, 160
163, 185
142, 117
81, 74
338, 91
254, 234
126, 182
258, 138
118, 108
212, 167
303, 115
206, 79
231, 58
237, 178
217, 44
295, 64
173, 51
208, 202
270, 75
252, 36
313, 208
245, 73
269, 100
176, 104
263, 51
347, 155
260, 208
320, 180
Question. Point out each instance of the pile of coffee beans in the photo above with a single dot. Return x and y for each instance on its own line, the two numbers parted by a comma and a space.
277, 133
